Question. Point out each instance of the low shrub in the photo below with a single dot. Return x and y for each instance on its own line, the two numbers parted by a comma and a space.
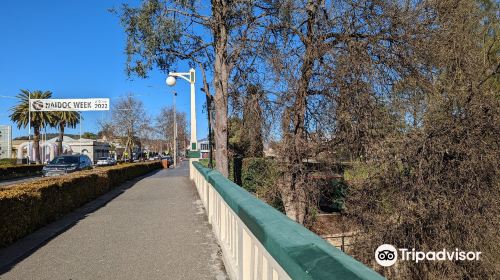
8, 161
29, 206
332, 195
260, 176
14, 171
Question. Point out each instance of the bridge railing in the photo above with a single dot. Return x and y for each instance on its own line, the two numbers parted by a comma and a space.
259, 242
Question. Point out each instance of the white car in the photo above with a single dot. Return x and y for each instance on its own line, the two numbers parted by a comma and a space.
106, 161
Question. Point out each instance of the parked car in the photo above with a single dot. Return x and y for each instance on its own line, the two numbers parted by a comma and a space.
106, 161
66, 164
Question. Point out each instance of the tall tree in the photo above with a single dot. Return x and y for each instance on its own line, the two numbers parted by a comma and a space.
20, 114
334, 63
63, 119
435, 184
161, 33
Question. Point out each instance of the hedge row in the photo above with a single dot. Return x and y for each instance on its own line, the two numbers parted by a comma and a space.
8, 161
28, 206
14, 171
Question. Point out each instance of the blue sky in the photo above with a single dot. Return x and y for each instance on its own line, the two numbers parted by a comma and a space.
76, 50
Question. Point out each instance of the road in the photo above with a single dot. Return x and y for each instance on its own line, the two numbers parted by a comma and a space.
12, 182
155, 229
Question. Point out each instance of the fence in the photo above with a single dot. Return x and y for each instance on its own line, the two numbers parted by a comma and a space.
259, 242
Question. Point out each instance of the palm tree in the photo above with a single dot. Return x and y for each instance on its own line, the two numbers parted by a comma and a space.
63, 119
39, 120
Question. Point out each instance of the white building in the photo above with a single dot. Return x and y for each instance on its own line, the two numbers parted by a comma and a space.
5, 141
48, 149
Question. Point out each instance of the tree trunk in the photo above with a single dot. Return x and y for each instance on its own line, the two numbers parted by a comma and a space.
36, 143
294, 199
210, 136
131, 150
61, 137
295, 184
221, 77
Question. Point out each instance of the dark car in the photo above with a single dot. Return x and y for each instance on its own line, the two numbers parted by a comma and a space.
67, 164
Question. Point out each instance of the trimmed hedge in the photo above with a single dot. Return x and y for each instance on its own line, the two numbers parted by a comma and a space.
8, 161
29, 206
14, 171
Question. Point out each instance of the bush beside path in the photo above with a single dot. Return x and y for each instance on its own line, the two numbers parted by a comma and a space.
29, 206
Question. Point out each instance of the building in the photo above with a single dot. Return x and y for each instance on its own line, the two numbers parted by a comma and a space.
48, 149
204, 148
5, 141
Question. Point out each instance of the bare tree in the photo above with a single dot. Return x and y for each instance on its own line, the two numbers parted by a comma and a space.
129, 120
433, 182
165, 126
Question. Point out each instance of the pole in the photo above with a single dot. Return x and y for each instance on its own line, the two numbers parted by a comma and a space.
29, 127
44, 143
194, 145
81, 149
175, 133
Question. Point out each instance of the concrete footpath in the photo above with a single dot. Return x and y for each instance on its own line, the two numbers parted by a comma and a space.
154, 228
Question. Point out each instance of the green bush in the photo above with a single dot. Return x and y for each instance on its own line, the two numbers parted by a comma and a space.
29, 206
260, 177
332, 195
8, 161
234, 168
14, 171
205, 161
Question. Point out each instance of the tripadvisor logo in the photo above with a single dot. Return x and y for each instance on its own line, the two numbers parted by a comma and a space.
387, 255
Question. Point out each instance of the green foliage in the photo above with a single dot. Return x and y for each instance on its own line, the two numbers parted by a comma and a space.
8, 161
360, 171
333, 196
260, 176
89, 135
19, 113
204, 162
236, 146
66, 118
153, 37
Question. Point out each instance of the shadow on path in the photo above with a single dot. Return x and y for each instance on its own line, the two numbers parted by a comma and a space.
22, 249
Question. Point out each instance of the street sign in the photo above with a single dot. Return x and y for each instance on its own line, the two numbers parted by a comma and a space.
81, 104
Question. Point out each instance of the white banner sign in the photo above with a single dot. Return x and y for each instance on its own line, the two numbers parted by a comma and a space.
81, 104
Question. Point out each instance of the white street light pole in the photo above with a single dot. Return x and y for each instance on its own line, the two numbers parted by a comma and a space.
81, 149
190, 77
175, 133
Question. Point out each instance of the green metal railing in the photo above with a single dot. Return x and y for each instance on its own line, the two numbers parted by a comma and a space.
300, 252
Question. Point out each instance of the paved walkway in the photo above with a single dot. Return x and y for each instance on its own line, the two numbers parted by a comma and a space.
155, 229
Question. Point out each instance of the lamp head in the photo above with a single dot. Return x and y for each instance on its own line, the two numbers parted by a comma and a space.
170, 81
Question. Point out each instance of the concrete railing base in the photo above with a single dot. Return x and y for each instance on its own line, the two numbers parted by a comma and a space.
259, 242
